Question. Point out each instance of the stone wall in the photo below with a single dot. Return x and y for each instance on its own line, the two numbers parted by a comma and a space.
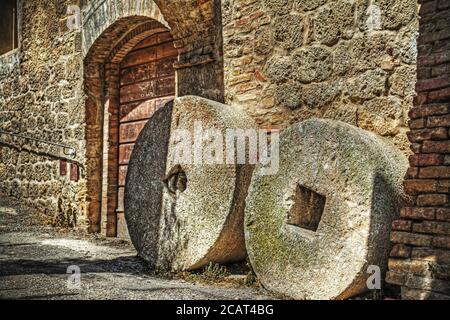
284, 61
351, 60
420, 259
41, 96
46, 86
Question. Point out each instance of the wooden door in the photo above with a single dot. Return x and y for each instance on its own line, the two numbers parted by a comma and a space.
147, 82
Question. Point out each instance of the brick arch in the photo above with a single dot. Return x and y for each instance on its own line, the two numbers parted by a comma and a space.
101, 67
102, 19
196, 27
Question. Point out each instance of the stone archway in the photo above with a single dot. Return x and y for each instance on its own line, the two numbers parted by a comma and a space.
110, 31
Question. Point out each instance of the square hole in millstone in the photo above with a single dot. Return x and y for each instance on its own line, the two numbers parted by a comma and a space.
307, 209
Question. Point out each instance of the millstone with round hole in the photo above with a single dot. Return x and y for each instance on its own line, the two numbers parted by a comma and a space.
182, 215
313, 229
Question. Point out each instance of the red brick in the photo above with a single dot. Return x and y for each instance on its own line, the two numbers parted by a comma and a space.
129, 132
418, 213
395, 278
413, 172
434, 172
428, 200
429, 110
436, 146
125, 153
428, 134
439, 121
440, 70
401, 225
62, 168
435, 287
433, 255
424, 50
419, 240
424, 160
438, 95
421, 98
137, 111
120, 199
415, 187
400, 251
432, 227
434, 59
417, 124
447, 160
434, 36
443, 214
415, 147
443, 186
428, 7
74, 172
433, 83
424, 73
409, 266
441, 242
122, 175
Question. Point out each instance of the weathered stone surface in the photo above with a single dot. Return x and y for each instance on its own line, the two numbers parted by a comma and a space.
403, 80
371, 50
396, 13
334, 21
279, 69
368, 85
288, 30
383, 115
319, 95
202, 222
406, 50
358, 177
278, 6
312, 64
308, 5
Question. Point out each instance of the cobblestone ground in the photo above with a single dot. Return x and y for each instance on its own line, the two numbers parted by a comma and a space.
34, 261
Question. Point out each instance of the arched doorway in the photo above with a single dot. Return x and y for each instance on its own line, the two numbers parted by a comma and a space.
139, 79
109, 35
147, 82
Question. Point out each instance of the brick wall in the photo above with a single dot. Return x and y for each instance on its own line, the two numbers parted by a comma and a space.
420, 258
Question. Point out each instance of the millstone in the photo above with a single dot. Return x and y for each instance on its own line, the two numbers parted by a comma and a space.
313, 229
183, 216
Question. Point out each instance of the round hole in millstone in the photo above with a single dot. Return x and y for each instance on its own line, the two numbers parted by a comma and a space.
313, 229
181, 217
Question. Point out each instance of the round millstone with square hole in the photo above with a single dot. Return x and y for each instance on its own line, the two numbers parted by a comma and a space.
314, 228
183, 214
